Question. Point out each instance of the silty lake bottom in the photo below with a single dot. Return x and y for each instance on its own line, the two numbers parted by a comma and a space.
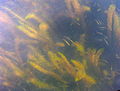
59, 45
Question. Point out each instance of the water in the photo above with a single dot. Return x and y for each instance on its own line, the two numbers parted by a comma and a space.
59, 45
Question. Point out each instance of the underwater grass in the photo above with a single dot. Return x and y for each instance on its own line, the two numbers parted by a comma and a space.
83, 71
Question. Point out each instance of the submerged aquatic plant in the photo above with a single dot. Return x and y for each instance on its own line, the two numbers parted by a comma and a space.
113, 21
52, 68
75, 8
85, 70
59, 67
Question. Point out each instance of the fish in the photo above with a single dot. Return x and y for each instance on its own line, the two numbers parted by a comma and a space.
98, 10
100, 33
98, 22
117, 56
105, 37
102, 27
106, 41
66, 42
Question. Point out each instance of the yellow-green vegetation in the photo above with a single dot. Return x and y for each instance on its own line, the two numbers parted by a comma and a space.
85, 70
113, 21
57, 66
46, 66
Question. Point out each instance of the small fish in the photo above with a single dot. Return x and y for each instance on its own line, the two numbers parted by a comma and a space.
69, 39
106, 41
78, 23
98, 10
100, 33
102, 27
66, 42
105, 37
98, 22
117, 56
